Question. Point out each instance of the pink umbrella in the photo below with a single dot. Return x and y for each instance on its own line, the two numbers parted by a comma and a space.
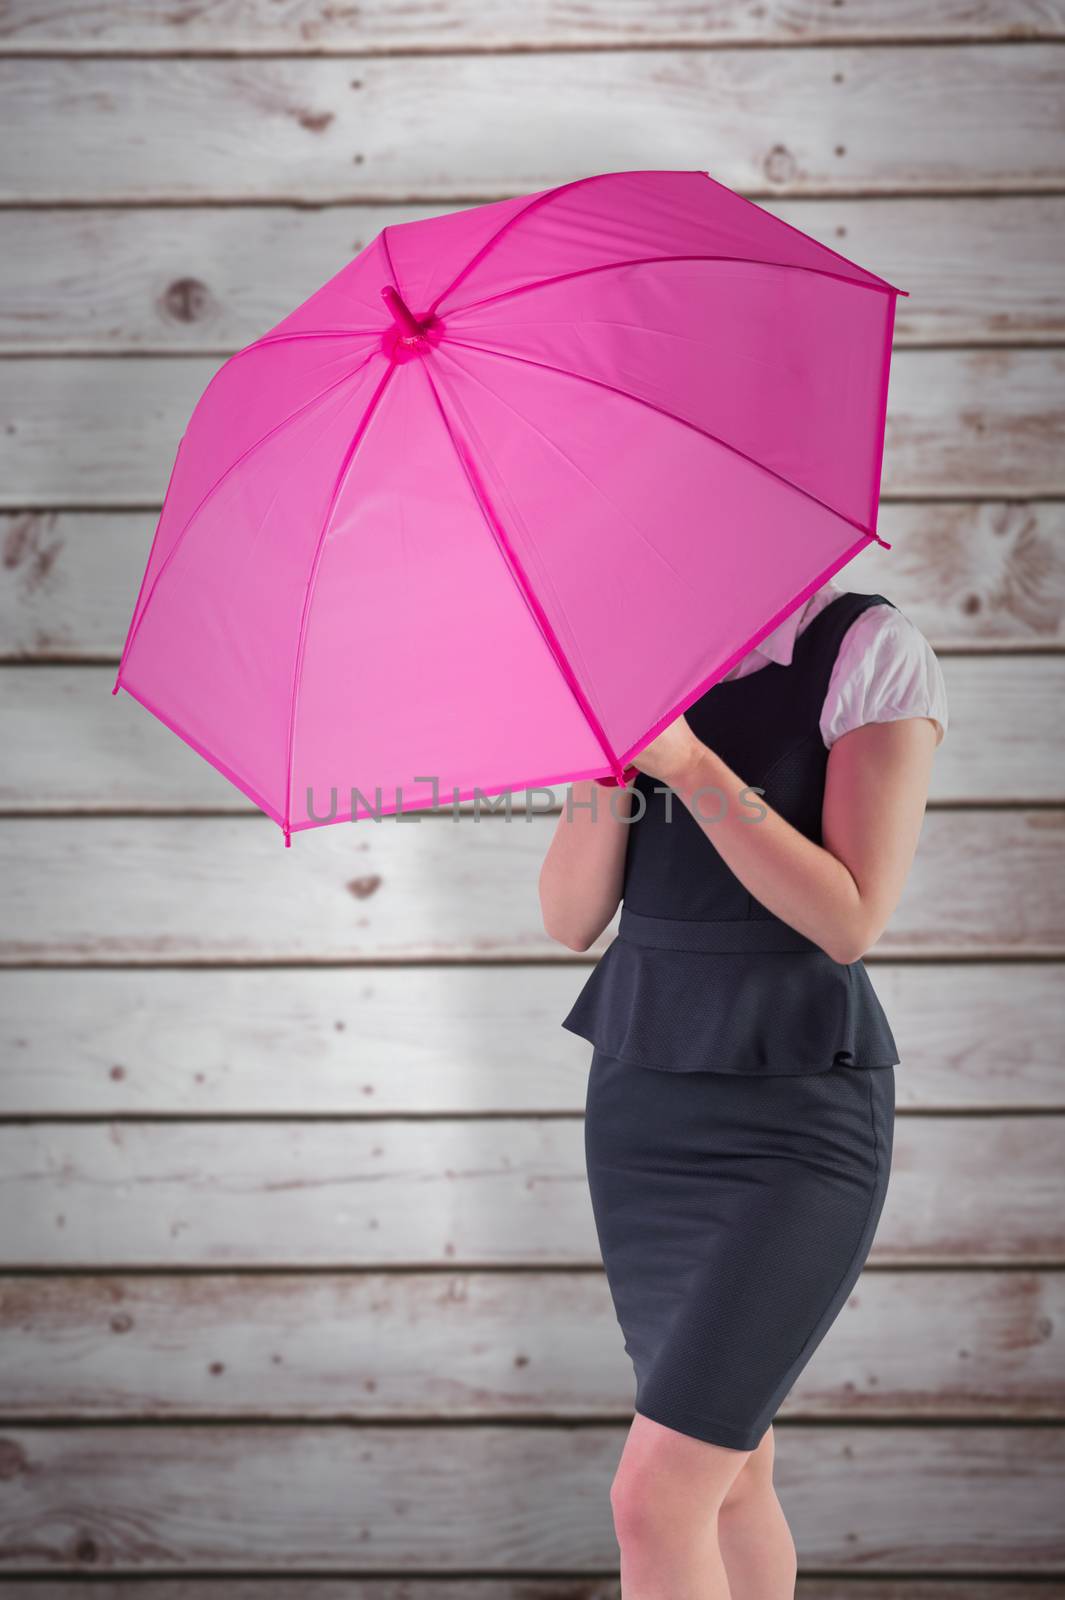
509, 492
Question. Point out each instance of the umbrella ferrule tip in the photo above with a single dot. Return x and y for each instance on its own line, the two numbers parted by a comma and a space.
401, 313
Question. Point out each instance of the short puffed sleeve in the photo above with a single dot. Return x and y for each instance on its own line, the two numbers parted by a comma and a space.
885, 669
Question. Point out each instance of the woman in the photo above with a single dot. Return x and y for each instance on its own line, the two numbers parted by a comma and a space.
741, 1093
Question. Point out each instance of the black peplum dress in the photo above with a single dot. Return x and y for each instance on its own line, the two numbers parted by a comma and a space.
741, 1093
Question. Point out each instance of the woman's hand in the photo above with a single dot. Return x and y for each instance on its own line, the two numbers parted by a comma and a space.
670, 753
839, 893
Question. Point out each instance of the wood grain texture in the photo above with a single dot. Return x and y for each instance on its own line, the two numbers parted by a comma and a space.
313, 129
311, 27
451, 1192
425, 887
79, 749
973, 1036
977, 576
971, 575
84, 432
530, 1346
301, 1277
980, 269
488, 1498
276, 1587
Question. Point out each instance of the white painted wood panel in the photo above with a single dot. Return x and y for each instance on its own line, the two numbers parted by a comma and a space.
312, 129
425, 886
488, 1498
307, 26
435, 1101
85, 431
74, 746
397, 1040
498, 1191
987, 576
520, 1345
980, 269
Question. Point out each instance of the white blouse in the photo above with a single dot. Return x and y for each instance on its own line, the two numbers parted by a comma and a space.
885, 668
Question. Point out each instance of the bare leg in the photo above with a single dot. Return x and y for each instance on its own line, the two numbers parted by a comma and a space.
666, 1497
756, 1542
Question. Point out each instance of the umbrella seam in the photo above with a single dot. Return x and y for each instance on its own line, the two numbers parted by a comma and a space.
544, 575
514, 566
137, 611
515, 216
737, 655
672, 416
216, 485
654, 261
227, 771
309, 333
312, 579
782, 221
580, 471
885, 378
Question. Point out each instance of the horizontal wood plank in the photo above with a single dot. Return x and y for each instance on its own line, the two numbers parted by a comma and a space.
308, 27
489, 1498
534, 1345
84, 431
980, 269
425, 886
80, 750
972, 1036
450, 1192
313, 129
972, 575
274, 1587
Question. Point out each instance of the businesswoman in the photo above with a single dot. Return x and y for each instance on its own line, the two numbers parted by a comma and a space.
741, 1090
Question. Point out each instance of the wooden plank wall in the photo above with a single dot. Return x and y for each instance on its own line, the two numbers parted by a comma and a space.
299, 1293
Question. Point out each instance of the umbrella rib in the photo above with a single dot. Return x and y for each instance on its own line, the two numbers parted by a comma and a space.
705, 433
570, 460
880, 287
309, 333
138, 616
515, 216
498, 532
793, 229
312, 579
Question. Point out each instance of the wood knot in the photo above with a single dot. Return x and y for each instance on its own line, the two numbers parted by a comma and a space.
363, 888
186, 299
780, 165
86, 1550
13, 1460
31, 544
315, 121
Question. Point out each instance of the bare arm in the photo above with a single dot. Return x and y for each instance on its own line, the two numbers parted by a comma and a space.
839, 894
581, 876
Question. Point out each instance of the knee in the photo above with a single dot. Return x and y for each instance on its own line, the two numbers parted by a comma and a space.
654, 1489
635, 1508
754, 1482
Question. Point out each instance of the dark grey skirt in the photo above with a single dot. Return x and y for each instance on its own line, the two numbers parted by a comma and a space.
734, 1213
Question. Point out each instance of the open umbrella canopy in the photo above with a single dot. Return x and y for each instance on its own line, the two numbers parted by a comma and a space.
507, 493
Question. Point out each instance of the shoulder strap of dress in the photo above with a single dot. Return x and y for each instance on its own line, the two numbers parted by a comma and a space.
817, 646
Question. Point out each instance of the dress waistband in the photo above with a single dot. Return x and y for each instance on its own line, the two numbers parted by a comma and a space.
755, 933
